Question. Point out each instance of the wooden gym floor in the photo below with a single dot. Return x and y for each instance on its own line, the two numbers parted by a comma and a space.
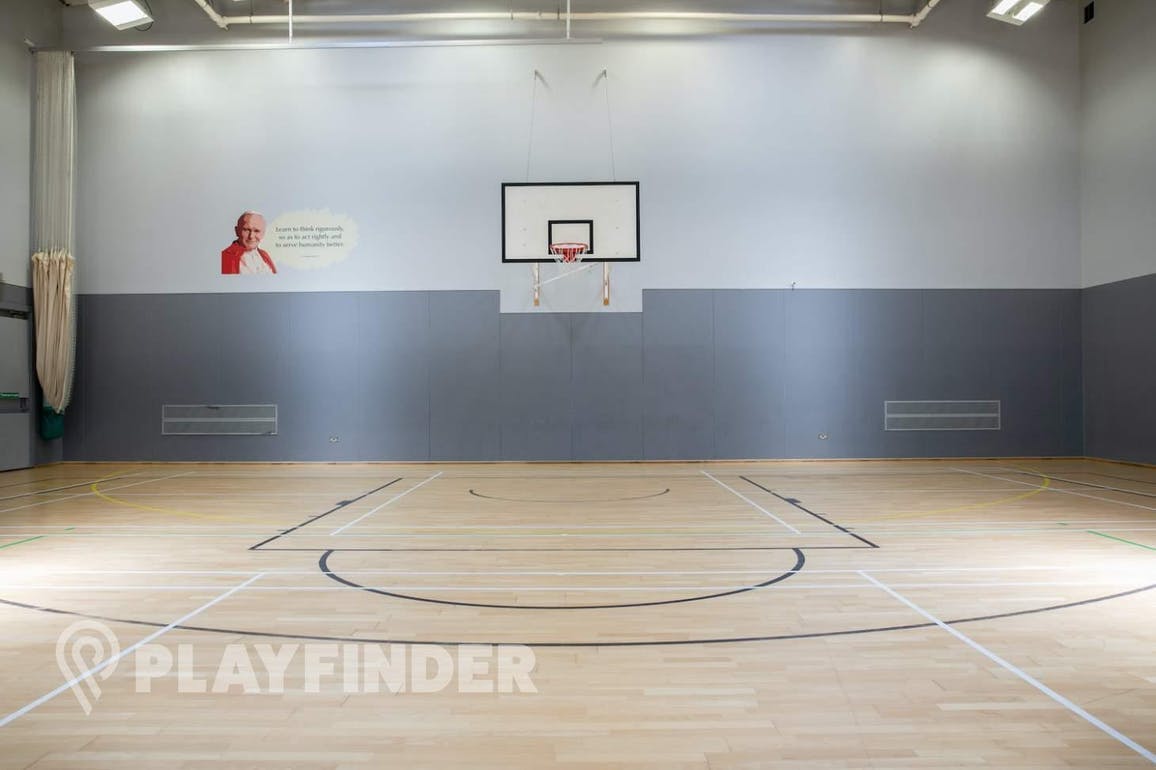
924, 614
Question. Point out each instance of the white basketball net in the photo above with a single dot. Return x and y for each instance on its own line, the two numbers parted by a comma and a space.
567, 253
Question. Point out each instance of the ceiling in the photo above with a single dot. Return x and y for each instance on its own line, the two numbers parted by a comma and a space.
245, 22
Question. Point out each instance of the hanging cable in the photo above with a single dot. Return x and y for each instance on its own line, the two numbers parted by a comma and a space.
530, 140
609, 125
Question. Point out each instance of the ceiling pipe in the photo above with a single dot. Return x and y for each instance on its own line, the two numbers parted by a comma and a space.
297, 45
918, 18
217, 18
765, 18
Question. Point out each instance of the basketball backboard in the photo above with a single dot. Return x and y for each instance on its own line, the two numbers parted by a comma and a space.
603, 215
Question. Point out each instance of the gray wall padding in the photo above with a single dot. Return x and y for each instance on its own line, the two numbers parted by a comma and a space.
1120, 370
699, 374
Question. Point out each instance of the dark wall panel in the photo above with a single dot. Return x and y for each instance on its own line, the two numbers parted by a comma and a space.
393, 376
750, 371
122, 393
698, 375
465, 377
1030, 335
678, 375
253, 366
606, 401
535, 386
818, 350
1120, 370
322, 360
885, 363
959, 365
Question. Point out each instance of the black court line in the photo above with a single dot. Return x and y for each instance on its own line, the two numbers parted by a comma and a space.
652, 643
341, 504
561, 502
61, 489
260, 546
1085, 484
800, 560
797, 504
1121, 478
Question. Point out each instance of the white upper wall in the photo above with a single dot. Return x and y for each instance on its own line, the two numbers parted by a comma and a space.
945, 156
39, 22
1118, 74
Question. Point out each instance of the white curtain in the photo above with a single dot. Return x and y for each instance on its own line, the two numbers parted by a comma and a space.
54, 149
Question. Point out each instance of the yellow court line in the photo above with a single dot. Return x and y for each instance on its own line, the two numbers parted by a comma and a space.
915, 514
167, 511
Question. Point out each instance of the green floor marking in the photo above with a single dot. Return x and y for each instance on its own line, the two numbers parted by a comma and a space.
18, 542
1122, 540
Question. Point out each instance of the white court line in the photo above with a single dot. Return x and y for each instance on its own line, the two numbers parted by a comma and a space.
105, 664
392, 529
339, 530
369, 531
86, 494
1020, 472
1150, 756
458, 588
1059, 491
565, 573
747, 500
161, 532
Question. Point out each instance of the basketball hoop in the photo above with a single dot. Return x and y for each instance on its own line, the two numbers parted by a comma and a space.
568, 252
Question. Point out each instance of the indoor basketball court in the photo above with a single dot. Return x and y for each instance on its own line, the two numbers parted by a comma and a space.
693, 386
837, 613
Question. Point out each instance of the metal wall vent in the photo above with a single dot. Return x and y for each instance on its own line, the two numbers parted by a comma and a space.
219, 420
941, 415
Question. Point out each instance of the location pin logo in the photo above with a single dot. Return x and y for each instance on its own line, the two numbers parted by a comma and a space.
87, 655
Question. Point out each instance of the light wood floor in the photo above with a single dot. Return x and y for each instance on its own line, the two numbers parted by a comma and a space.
997, 614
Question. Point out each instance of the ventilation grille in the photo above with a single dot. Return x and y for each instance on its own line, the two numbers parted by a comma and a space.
219, 420
941, 415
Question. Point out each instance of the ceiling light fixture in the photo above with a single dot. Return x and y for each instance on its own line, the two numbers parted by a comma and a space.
1016, 11
122, 14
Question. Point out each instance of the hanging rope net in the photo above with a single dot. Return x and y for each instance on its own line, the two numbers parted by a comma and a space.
53, 266
55, 325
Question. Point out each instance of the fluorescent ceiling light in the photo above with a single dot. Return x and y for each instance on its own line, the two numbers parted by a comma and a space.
1028, 11
121, 14
1016, 11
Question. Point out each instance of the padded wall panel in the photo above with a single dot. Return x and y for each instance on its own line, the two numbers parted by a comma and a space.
322, 360
535, 386
957, 350
699, 375
885, 362
1119, 330
465, 393
606, 401
253, 366
15, 440
750, 370
818, 351
393, 376
1027, 335
122, 390
678, 387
